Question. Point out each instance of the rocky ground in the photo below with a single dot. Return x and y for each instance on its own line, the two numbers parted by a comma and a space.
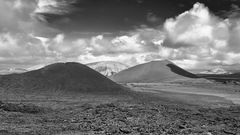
135, 117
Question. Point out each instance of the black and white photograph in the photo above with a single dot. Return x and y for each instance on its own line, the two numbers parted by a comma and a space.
119, 67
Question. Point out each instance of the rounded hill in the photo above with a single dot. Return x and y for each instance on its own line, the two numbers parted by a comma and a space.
152, 72
63, 77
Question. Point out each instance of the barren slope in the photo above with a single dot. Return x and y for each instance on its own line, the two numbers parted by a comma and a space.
152, 72
59, 77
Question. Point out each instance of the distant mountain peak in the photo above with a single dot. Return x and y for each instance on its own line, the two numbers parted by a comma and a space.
107, 68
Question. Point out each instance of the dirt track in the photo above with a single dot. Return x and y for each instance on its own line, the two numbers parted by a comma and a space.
200, 94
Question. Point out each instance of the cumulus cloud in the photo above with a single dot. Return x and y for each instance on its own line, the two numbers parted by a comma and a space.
18, 45
17, 16
194, 27
128, 59
200, 36
138, 41
16, 49
17, 27
195, 38
132, 48
25, 39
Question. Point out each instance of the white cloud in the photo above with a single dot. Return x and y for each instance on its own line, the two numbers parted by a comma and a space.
8, 44
53, 6
131, 43
59, 38
44, 43
132, 48
18, 4
198, 35
193, 38
194, 27
186, 64
17, 45
129, 59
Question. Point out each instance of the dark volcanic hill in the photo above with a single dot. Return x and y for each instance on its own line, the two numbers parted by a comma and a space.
152, 72
60, 77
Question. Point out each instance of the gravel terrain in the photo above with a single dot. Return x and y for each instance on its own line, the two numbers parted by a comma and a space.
136, 116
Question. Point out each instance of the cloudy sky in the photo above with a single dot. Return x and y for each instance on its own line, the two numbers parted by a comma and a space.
195, 34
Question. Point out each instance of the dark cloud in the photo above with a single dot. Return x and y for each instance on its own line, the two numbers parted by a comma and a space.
121, 15
232, 12
152, 18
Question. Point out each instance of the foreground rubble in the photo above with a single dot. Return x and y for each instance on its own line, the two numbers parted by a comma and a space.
123, 118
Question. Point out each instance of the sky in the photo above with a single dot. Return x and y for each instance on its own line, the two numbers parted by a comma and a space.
194, 34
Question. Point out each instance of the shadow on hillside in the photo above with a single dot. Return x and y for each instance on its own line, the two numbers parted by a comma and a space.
181, 72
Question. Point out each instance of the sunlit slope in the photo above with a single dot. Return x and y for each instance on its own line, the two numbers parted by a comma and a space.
152, 72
